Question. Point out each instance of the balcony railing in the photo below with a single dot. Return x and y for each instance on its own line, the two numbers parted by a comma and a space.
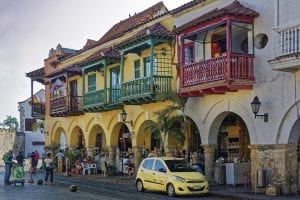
288, 40
235, 66
98, 97
145, 86
65, 105
93, 98
38, 110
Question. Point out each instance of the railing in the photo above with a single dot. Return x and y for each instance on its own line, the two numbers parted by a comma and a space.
38, 110
65, 103
288, 40
214, 69
146, 85
93, 98
113, 95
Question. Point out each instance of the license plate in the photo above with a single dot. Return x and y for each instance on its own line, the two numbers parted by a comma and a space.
197, 187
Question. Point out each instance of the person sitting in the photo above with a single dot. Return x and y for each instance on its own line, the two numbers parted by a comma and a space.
78, 166
20, 158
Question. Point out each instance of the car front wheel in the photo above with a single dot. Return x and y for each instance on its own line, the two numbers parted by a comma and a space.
171, 190
139, 186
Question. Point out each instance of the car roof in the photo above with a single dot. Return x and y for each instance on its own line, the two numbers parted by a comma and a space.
165, 158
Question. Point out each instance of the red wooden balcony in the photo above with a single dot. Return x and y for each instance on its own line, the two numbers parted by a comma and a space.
66, 106
217, 75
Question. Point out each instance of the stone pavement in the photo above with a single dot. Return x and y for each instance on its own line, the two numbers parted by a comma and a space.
227, 192
39, 192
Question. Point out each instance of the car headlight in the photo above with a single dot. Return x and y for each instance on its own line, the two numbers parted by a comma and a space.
178, 178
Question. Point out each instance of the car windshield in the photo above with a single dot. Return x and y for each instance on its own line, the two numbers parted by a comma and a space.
179, 166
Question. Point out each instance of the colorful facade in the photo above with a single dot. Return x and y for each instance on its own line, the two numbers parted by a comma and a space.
217, 54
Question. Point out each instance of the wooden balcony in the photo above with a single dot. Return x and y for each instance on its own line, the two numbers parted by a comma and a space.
287, 51
217, 75
66, 106
99, 101
144, 90
38, 110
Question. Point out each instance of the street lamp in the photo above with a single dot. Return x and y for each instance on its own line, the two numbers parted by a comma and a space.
255, 105
123, 117
42, 129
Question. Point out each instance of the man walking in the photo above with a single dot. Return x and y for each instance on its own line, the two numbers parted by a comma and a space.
7, 158
60, 161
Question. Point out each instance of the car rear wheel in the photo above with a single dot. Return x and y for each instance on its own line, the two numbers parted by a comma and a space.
139, 186
171, 190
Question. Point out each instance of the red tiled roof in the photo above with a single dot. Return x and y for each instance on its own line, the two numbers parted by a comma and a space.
186, 6
154, 30
37, 75
236, 8
136, 20
107, 52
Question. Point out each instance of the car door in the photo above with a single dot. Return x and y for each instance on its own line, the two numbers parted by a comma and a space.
145, 173
159, 175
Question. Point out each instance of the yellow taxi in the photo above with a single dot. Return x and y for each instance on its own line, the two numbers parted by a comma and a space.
172, 175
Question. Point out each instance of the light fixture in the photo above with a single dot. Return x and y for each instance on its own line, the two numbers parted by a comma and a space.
255, 105
42, 129
124, 116
163, 51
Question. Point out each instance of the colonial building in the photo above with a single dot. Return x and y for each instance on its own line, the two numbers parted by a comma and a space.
32, 110
234, 61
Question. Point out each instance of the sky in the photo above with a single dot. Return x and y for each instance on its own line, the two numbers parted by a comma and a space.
30, 28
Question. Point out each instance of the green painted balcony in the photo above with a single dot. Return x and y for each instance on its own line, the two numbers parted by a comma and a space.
98, 100
144, 89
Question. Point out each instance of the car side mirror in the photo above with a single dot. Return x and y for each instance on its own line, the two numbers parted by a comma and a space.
162, 170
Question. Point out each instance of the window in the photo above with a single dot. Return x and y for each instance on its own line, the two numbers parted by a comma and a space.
137, 69
115, 78
147, 66
188, 53
148, 164
91, 82
242, 37
36, 143
158, 165
29, 123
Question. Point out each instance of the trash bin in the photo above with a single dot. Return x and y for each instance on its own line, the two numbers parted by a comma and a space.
261, 178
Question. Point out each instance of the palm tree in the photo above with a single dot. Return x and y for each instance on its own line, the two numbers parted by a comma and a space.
179, 104
11, 122
167, 119
166, 125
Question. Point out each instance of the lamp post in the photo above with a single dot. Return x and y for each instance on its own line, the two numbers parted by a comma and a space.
255, 105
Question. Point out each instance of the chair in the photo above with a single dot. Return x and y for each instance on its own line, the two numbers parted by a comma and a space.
85, 168
93, 168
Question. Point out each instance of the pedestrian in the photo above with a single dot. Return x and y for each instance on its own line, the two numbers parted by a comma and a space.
49, 168
36, 159
7, 158
32, 163
20, 158
60, 160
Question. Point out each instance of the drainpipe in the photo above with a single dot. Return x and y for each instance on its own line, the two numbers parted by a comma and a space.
277, 13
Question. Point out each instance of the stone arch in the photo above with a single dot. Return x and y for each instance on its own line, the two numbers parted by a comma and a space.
92, 134
142, 136
74, 133
58, 138
289, 124
220, 110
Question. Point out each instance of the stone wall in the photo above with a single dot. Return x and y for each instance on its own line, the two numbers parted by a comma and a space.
280, 164
6, 142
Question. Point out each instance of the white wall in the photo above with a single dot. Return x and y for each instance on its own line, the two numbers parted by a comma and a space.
30, 136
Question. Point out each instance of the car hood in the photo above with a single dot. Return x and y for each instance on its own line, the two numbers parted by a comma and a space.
189, 175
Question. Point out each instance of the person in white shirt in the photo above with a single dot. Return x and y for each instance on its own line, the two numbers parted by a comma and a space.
60, 160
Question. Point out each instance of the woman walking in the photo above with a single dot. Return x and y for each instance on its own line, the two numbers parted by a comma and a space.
49, 168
